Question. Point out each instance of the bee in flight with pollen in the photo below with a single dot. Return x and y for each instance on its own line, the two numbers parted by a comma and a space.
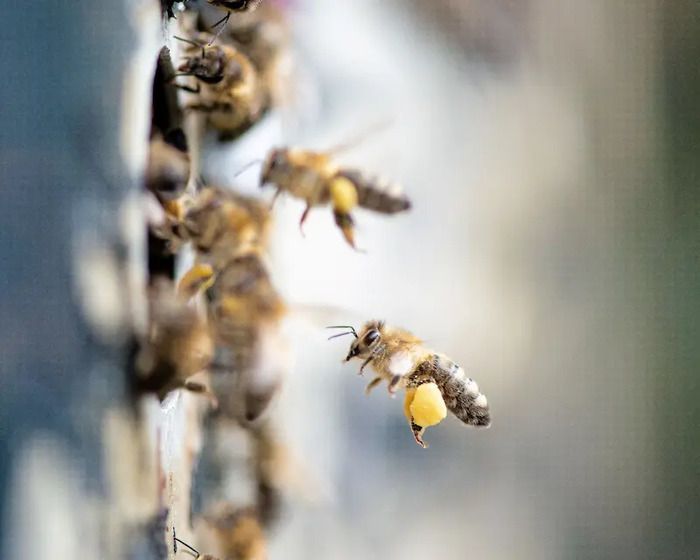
317, 179
433, 382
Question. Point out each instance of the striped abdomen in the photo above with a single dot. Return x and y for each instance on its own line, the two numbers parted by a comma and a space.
376, 194
460, 393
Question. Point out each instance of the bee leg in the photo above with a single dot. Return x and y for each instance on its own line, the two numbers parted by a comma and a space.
200, 107
277, 194
188, 88
418, 435
345, 222
394, 384
372, 384
201, 389
362, 367
303, 218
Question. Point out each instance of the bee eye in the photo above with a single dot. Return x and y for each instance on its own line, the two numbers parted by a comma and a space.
371, 336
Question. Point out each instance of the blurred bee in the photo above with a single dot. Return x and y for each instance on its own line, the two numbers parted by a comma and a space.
222, 224
246, 311
236, 532
229, 233
168, 169
168, 6
399, 357
178, 346
316, 179
264, 37
228, 90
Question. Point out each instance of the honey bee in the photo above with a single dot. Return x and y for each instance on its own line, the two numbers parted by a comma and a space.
229, 233
228, 90
400, 358
221, 224
167, 170
245, 311
264, 36
178, 346
316, 179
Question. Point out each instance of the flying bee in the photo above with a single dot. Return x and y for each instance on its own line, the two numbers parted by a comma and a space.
228, 90
398, 357
317, 180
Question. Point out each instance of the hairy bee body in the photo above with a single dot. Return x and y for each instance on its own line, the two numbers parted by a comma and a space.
221, 225
245, 311
376, 194
229, 233
460, 393
167, 170
400, 358
229, 91
263, 36
178, 345
318, 180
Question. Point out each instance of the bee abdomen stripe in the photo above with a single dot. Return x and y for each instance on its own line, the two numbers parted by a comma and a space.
375, 194
461, 393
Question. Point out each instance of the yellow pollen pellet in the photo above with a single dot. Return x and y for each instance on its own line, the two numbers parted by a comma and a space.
197, 279
427, 407
343, 194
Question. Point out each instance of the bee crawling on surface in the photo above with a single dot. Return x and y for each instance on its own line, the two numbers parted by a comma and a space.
168, 168
432, 381
177, 347
222, 224
229, 233
316, 179
228, 89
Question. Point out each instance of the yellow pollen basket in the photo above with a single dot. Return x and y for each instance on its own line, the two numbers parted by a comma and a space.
197, 279
424, 405
343, 194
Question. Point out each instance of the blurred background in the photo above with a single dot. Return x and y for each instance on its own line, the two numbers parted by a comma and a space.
550, 149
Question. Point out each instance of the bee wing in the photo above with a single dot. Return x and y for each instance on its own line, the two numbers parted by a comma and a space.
376, 194
461, 393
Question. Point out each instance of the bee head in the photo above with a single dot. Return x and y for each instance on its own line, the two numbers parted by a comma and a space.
208, 66
274, 165
366, 341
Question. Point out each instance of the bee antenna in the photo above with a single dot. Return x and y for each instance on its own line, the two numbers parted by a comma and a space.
188, 41
351, 331
187, 545
248, 166
222, 22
